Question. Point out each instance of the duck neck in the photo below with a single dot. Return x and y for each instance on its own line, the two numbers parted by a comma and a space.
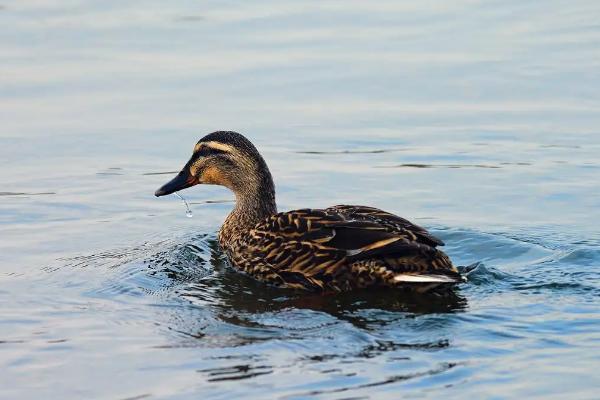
255, 201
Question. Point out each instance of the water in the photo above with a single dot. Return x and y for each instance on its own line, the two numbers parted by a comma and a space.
188, 211
479, 120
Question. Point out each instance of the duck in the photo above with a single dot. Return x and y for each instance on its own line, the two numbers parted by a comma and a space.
335, 249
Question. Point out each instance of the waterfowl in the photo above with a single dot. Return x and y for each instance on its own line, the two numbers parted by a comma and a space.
339, 248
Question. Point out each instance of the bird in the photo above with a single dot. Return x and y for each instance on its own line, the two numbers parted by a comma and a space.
335, 249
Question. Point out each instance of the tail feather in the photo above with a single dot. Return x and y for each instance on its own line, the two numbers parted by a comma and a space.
428, 278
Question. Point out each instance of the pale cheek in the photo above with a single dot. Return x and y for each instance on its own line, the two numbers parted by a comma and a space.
212, 176
209, 179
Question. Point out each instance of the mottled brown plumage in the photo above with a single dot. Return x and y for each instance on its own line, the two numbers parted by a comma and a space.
339, 248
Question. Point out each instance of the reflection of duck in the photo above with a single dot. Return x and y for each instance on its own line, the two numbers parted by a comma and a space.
254, 312
338, 248
238, 297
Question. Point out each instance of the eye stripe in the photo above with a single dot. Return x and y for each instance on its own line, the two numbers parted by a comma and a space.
206, 151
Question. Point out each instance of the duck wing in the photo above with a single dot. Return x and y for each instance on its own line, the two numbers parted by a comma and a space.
315, 248
391, 222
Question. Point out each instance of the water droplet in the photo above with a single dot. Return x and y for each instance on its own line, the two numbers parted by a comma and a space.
188, 212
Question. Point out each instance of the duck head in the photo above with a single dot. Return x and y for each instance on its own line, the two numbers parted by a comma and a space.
227, 159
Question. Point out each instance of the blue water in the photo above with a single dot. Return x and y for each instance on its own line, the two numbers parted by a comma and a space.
477, 119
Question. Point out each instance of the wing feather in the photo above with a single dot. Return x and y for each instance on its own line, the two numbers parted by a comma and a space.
314, 246
389, 221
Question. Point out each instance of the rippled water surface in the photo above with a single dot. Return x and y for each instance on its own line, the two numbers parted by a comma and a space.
477, 119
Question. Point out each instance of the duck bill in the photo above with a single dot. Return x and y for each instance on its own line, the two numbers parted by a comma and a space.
181, 181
